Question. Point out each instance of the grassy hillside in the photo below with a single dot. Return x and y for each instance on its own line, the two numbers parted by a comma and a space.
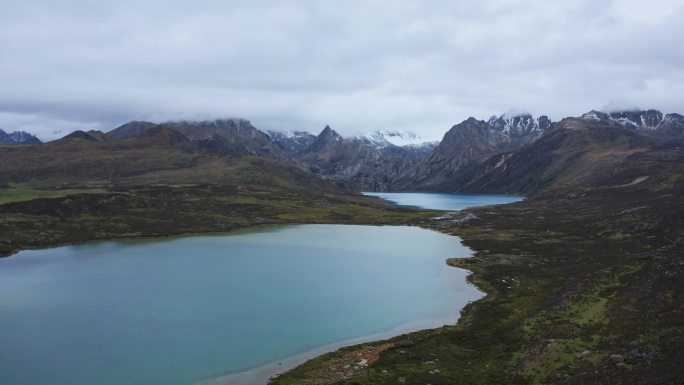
584, 287
161, 156
160, 183
162, 210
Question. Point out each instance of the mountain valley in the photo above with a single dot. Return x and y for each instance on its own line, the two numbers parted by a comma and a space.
583, 277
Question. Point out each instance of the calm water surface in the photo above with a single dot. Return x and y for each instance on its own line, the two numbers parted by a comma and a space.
444, 201
174, 311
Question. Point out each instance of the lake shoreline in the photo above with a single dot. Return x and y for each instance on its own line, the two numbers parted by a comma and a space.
537, 228
263, 374
44, 229
560, 259
208, 233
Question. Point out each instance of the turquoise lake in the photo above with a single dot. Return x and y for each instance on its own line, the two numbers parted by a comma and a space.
189, 309
444, 201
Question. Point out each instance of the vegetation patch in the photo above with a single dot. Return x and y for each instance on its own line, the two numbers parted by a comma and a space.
21, 193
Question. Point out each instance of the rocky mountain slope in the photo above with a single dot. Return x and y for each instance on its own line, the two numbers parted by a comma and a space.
580, 153
523, 154
292, 142
514, 131
364, 162
237, 136
469, 142
158, 155
359, 162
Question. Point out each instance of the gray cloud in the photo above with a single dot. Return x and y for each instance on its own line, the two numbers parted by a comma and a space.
357, 65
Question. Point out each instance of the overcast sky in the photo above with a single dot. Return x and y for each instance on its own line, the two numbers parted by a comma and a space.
359, 66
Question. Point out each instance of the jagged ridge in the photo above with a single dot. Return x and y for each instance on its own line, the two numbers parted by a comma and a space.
18, 137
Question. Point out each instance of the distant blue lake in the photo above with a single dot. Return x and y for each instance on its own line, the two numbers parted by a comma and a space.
177, 311
444, 201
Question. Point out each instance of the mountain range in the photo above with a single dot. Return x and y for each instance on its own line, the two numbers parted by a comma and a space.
509, 153
363, 162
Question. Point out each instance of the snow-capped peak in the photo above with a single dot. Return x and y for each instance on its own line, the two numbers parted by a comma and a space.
291, 141
18, 137
288, 134
520, 124
384, 138
593, 115
642, 119
633, 119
